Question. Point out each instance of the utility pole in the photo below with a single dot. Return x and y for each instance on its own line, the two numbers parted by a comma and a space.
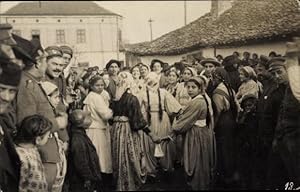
150, 23
184, 12
0, 11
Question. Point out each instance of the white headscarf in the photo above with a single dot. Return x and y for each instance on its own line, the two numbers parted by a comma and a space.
152, 80
125, 81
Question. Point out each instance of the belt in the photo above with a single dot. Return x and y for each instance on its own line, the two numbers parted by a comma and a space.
200, 123
121, 119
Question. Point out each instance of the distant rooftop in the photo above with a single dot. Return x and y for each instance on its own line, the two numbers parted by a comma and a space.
247, 21
58, 8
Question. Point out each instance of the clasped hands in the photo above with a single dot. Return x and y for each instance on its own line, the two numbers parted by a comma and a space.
158, 140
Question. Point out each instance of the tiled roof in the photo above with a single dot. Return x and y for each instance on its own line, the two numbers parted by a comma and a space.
246, 21
58, 8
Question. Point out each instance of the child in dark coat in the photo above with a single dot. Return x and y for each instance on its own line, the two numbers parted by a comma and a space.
246, 140
84, 173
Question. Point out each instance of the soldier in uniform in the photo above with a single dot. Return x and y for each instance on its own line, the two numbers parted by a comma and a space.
10, 74
267, 111
31, 99
54, 74
67, 54
286, 143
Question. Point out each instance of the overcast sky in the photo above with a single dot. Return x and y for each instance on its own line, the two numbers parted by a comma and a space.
167, 16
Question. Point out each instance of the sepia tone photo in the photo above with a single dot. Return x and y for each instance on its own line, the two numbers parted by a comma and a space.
149, 95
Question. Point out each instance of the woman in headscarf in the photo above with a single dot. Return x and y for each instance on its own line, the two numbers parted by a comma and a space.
249, 83
194, 124
127, 156
182, 95
159, 105
225, 113
183, 98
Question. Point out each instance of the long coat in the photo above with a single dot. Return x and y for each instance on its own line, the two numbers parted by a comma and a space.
32, 100
9, 160
83, 160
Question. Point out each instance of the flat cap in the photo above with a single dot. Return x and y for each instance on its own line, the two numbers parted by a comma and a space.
66, 49
276, 62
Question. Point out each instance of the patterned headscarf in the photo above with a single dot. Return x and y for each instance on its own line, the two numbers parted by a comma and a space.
152, 80
249, 71
125, 82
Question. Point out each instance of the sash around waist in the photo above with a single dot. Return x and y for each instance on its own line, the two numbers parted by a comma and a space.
121, 119
200, 123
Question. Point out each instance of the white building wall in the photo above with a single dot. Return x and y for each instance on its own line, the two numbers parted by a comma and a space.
101, 35
261, 49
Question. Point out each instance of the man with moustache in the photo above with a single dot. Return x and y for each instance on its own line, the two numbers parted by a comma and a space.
284, 165
268, 110
56, 65
31, 99
54, 74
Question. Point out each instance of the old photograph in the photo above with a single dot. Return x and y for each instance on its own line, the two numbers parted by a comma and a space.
149, 95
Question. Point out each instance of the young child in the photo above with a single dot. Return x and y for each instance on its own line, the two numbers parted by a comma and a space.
246, 140
83, 169
52, 92
34, 131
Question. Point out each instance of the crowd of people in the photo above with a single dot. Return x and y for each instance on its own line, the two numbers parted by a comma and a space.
230, 123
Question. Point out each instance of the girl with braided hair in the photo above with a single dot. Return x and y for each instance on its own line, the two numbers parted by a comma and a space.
225, 113
158, 105
195, 125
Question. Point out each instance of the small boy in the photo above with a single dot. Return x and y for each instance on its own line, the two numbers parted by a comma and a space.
246, 140
83, 171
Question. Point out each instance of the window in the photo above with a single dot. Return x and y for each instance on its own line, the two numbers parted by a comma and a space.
35, 33
60, 36
81, 36
17, 32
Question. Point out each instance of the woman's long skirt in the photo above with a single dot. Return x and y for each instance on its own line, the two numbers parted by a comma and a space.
128, 165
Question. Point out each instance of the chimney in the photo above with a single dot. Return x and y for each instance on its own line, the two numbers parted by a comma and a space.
220, 6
